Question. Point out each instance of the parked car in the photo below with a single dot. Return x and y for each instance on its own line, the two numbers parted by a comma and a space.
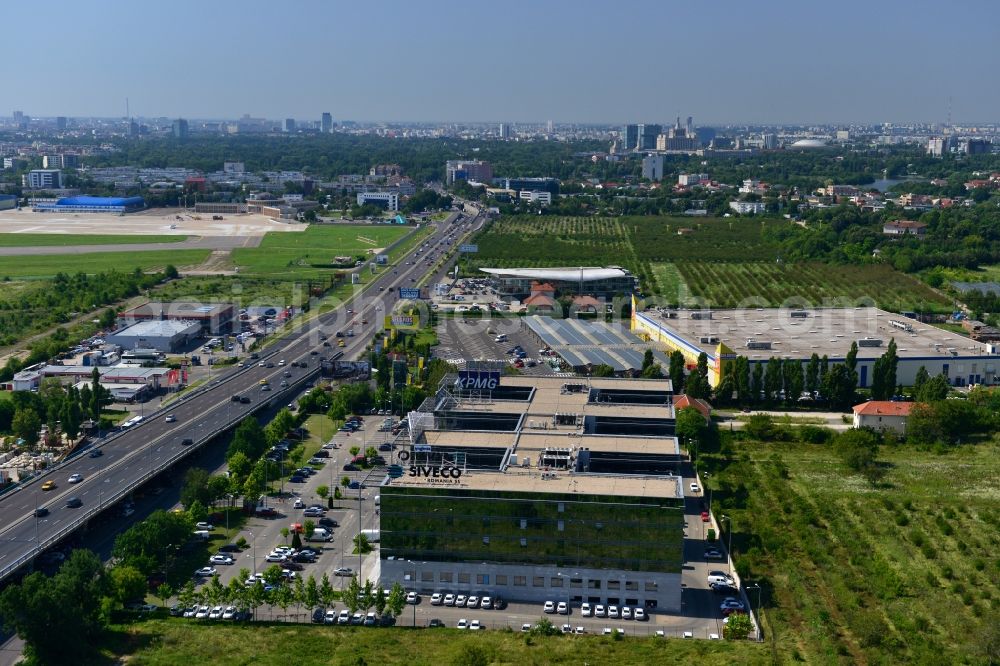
713, 554
549, 607
695, 488
600, 611
437, 599
205, 572
343, 571
220, 559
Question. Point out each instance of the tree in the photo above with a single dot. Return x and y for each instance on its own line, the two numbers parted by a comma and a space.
760, 427
352, 595
757, 382
738, 627
309, 527
726, 387
164, 592
26, 425
127, 583
322, 491
380, 600
812, 375
602, 370
702, 366
71, 418
198, 512
397, 599
741, 371
326, 591
361, 544
59, 617
920, 380
884, 373
857, 447
852, 357
368, 596
933, 389
647, 359
296, 540
654, 371
772, 379
690, 426
677, 370
697, 386
838, 386
195, 488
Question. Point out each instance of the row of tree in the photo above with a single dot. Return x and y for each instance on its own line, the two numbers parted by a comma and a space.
60, 409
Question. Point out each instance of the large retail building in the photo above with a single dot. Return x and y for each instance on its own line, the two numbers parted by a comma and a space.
539, 488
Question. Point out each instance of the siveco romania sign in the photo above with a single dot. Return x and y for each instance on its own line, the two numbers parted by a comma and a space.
433, 473
478, 379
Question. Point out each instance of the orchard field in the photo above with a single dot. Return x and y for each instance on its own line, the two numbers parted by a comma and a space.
721, 262
906, 572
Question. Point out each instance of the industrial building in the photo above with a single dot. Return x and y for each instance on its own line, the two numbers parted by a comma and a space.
8, 201
537, 488
213, 318
167, 336
43, 179
82, 204
584, 344
389, 199
474, 170
601, 282
785, 333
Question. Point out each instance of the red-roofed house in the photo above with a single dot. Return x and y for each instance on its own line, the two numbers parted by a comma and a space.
541, 288
587, 304
682, 401
904, 228
883, 415
540, 302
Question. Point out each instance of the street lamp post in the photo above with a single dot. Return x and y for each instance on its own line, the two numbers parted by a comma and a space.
756, 587
729, 549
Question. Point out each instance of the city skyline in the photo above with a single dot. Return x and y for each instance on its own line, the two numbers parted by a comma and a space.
460, 63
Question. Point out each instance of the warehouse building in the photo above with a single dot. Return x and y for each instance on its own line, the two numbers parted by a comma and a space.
166, 336
83, 204
537, 488
785, 333
8, 201
584, 344
214, 318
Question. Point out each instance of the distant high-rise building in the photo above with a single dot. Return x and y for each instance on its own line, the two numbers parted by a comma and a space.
976, 146
549, 127
652, 167
133, 128
940, 145
843, 135
61, 122
630, 137
326, 124
504, 130
289, 125
62, 161
43, 179
475, 170
180, 128
769, 141
647, 136
20, 120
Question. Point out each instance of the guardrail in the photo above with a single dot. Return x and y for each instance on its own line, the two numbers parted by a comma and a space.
107, 501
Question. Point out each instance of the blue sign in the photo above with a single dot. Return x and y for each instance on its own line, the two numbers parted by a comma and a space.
469, 248
410, 293
478, 379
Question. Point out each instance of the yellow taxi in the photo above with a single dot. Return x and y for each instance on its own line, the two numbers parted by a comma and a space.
48, 485
340, 343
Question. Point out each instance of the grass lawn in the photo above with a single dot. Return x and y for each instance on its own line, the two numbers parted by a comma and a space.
670, 283
162, 642
907, 572
284, 256
36, 240
47, 265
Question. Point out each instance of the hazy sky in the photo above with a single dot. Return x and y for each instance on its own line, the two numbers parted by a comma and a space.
583, 60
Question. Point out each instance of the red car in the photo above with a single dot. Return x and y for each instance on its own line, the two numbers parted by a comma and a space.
704, 517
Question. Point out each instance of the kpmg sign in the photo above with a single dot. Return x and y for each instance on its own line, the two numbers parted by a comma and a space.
478, 379
409, 293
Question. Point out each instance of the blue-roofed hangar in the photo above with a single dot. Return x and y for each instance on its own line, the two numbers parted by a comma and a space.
83, 204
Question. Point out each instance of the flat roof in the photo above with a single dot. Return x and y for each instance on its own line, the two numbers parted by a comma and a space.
584, 274
536, 441
179, 309
466, 439
559, 482
157, 327
822, 331
581, 342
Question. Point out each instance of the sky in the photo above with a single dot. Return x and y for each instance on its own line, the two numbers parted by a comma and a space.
770, 61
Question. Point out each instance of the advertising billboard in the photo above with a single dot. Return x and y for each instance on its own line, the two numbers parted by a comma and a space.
468, 248
409, 293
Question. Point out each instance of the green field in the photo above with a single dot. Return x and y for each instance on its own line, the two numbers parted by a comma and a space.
905, 573
47, 265
292, 256
741, 284
725, 262
186, 642
39, 240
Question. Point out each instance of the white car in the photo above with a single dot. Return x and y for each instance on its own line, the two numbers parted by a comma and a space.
472, 602
567, 629
612, 611
411, 597
449, 600
526, 626
486, 603
586, 610
549, 607
437, 599
75, 478
299, 504
275, 557
695, 488
205, 526
462, 624
475, 626
460, 601
562, 608
170, 418
220, 559
344, 617
202, 612
638, 614
229, 613
215, 613
205, 572
581, 630
284, 550
330, 617
281, 362
599, 611
626, 613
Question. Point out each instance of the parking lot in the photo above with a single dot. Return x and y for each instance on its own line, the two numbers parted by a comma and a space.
475, 340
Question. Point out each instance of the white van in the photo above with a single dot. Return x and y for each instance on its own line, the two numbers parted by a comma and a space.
500, 338
320, 534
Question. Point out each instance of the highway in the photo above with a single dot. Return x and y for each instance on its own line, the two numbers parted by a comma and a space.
145, 450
